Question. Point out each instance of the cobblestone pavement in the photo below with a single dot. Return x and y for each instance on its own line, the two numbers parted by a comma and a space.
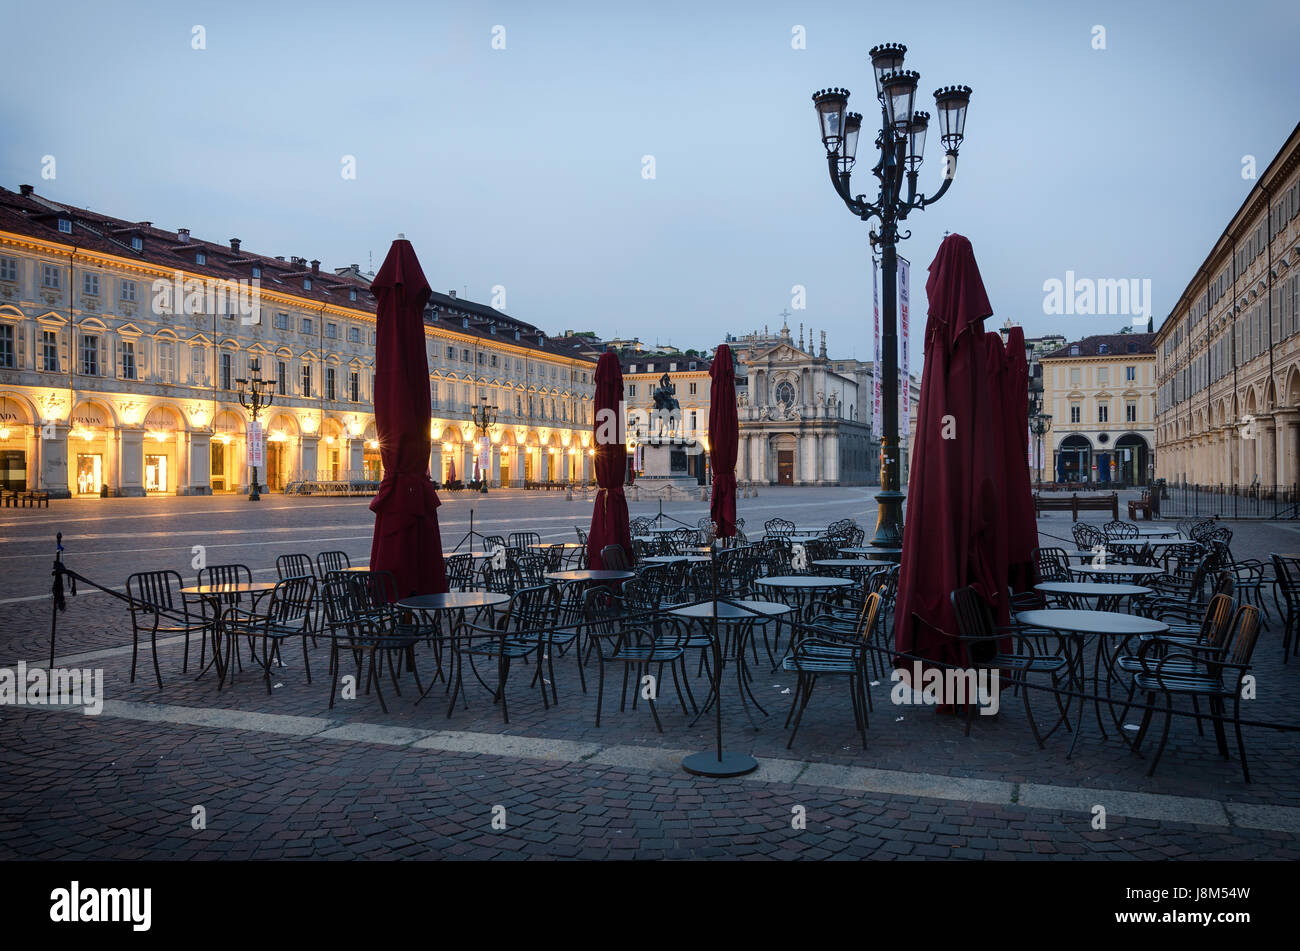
285, 776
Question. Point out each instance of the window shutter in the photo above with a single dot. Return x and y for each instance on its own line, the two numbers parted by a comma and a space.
104, 368
20, 346
142, 358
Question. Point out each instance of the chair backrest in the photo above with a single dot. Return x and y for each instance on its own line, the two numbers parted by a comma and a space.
291, 601
869, 615
1053, 564
778, 526
378, 587
973, 614
614, 558
159, 590
532, 568
1287, 572
328, 561
226, 574
1088, 537
494, 541
295, 566
533, 609
344, 601
460, 571
1245, 631
525, 540
1217, 621
1120, 529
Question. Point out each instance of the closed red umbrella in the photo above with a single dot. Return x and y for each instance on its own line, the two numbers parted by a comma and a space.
1021, 522
953, 500
407, 541
609, 519
995, 535
724, 439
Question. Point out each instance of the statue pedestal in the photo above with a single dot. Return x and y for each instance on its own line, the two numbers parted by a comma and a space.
664, 470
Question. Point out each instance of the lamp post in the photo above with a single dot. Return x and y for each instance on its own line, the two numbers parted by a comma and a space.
485, 417
900, 142
254, 400
1039, 424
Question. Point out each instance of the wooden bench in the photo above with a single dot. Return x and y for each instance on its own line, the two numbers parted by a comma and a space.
1076, 503
1142, 505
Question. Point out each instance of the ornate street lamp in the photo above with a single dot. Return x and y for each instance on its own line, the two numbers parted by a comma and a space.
254, 400
901, 144
1040, 424
484, 417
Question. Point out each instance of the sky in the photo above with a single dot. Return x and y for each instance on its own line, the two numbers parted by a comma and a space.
525, 168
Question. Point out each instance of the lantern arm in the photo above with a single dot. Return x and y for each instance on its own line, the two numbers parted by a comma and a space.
922, 201
840, 182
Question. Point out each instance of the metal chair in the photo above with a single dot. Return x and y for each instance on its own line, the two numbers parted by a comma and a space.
158, 606
778, 526
1286, 581
826, 651
516, 635
356, 624
1053, 564
460, 571
1209, 674
614, 558
295, 566
288, 615
328, 561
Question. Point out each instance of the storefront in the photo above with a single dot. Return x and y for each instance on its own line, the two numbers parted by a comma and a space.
226, 455
1074, 460
281, 434
371, 464
163, 447
14, 431
90, 443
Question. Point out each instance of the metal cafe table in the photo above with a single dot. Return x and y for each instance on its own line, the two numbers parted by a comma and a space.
1077, 627
454, 604
669, 559
228, 594
802, 589
871, 551
743, 614
1119, 572
590, 574
1108, 595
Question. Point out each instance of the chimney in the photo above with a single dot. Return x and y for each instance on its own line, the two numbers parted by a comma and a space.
183, 234
279, 257
26, 189
451, 293
234, 244
315, 267
145, 224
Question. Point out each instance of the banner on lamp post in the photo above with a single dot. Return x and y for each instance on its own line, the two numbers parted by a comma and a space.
875, 354
484, 461
905, 377
256, 442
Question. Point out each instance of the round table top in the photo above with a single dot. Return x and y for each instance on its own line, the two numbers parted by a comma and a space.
666, 528
353, 568
667, 559
1139, 542
557, 545
1284, 554
1157, 532
799, 539
733, 609
590, 574
453, 600
472, 554
1081, 554
1129, 570
234, 587
1091, 622
1092, 588
846, 563
803, 581
870, 550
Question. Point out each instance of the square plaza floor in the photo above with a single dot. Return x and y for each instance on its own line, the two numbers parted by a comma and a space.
285, 776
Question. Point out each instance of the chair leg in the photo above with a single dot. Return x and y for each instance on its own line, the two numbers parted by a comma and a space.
1241, 743
334, 672
1164, 735
600, 688
306, 664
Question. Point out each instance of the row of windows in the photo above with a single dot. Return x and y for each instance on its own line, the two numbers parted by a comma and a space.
692, 389
672, 367
1102, 375
562, 410
455, 354
1103, 412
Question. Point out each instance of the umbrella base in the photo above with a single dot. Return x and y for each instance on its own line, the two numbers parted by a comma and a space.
708, 764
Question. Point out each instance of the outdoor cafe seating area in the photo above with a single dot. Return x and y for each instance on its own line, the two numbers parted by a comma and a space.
1122, 632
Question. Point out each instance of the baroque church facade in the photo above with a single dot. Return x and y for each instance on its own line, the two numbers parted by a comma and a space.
805, 419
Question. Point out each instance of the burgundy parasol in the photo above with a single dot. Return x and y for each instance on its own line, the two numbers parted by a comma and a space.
1021, 522
724, 438
953, 499
407, 541
995, 536
609, 518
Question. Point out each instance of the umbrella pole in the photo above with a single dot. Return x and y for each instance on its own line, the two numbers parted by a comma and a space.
719, 764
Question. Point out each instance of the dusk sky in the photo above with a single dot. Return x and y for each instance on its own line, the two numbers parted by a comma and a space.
523, 166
